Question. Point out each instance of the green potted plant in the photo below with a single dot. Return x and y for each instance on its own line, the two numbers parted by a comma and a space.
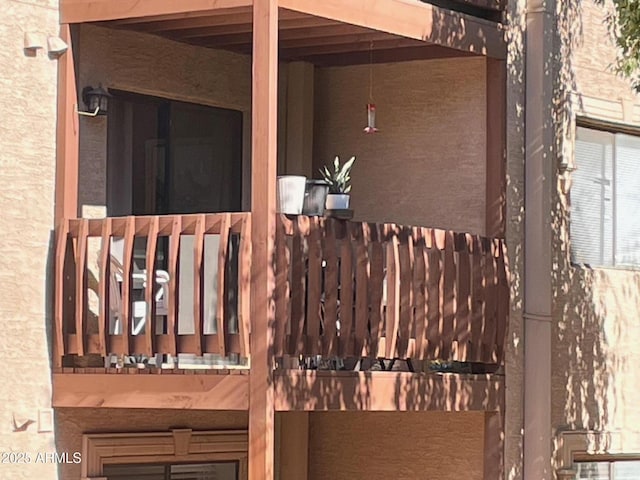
339, 180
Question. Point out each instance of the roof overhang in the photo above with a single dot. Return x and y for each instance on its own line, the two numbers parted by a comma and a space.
350, 25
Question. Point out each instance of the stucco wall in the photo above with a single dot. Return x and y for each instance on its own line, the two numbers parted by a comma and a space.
596, 314
27, 176
427, 164
398, 445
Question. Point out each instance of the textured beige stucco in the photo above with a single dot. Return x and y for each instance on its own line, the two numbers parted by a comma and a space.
427, 164
396, 445
27, 172
596, 313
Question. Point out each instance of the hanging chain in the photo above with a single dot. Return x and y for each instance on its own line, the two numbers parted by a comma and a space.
371, 72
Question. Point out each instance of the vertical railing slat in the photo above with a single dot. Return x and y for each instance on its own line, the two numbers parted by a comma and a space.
463, 289
329, 338
477, 299
104, 294
393, 293
435, 240
419, 292
172, 301
151, 287
298, 285
363, 240
198, 281
346, 292
376, 289
491, 302
221, 314
60, 292
283, 269
314, 291
449, 297
81, 285
245, 285
127, 267
405, 255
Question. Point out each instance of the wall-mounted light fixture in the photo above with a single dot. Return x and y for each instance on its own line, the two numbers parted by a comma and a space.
96, 101
56, 46
33, 41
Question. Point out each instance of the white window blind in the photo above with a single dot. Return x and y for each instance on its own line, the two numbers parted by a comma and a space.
616, 470
605, 198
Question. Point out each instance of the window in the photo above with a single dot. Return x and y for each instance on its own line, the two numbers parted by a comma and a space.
615, 470
180, 454
605, 197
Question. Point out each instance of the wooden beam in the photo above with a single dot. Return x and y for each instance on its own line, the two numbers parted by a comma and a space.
386, 391
348, 47
417, 20
238, 25
496, 108
264, 122
426, 52
315, 35
237, 18
302, 38
348, 39
175, 391
495, 5
183, 18
67, 135
79, 11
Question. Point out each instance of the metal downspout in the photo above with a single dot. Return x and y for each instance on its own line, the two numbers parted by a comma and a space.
539, 172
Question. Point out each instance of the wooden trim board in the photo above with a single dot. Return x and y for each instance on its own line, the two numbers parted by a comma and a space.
192, 392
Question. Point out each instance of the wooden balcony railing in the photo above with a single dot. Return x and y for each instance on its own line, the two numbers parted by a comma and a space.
180, 284
145, 286
371, 290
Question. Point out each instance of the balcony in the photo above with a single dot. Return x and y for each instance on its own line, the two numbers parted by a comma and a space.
172, 294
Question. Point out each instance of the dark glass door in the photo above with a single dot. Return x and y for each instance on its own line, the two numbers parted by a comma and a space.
172, 157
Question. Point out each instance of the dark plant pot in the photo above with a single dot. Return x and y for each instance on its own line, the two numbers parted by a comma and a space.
315, 197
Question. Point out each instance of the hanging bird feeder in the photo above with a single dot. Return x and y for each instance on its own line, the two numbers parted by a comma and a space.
371, 106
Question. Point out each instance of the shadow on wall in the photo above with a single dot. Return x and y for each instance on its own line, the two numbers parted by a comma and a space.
596, 321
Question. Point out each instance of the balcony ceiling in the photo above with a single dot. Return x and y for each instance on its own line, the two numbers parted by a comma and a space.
322, 41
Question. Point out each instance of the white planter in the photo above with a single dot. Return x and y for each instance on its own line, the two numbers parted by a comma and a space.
337, 201
290, 194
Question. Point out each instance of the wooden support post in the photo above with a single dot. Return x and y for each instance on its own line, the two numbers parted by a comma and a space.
66, 193
67, 135
264, 123
496, 147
